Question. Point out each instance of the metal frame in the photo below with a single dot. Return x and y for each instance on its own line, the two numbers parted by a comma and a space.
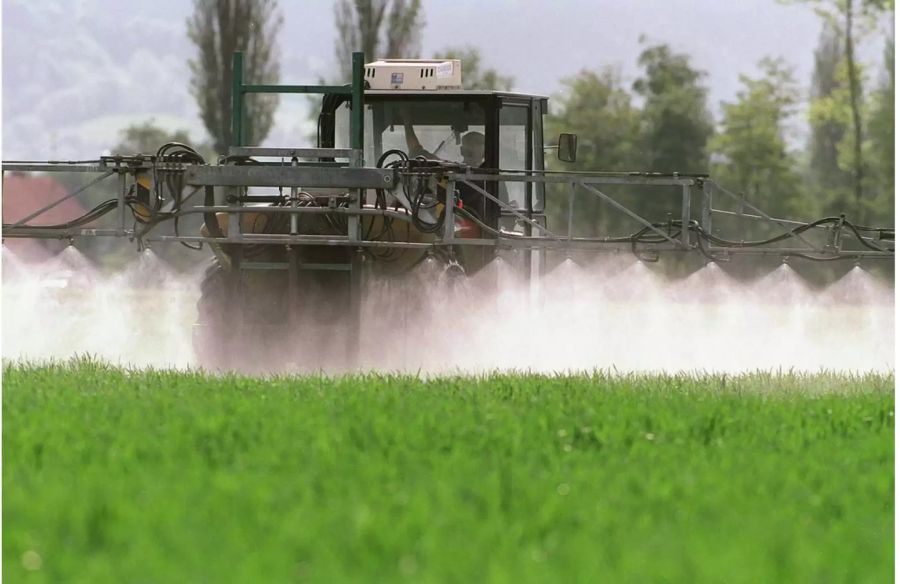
355, 177
355, 180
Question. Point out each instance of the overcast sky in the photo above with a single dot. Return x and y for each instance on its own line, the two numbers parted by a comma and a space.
75, 72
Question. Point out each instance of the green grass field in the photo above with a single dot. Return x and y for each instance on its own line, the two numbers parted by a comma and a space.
117, 476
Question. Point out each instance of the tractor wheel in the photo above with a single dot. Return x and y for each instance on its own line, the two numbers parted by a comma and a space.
250, 331
221, 342
210, 330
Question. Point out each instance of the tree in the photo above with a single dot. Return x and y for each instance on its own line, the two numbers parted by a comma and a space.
675, 121
141, 138
827, 127
751, 146
880, 145
473, 76
389, 29
146, 138
854, 19
219, 28
599, 110
855, 90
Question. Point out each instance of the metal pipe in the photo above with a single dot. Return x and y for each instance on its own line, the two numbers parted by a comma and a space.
706, 211
46, 233
259, 239
843, 254
357, 126
53, 167
43, 210
240, 151
449, 217
632, 214
295, 219
508, 208
770, 219
338, 89
120, 205
582, 177
237, 99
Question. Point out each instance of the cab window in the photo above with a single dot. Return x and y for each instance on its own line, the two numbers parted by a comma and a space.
514, 150
438, 125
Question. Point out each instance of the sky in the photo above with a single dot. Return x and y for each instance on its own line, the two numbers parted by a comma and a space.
76, 72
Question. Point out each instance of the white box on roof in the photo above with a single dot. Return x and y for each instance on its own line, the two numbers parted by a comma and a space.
414, 74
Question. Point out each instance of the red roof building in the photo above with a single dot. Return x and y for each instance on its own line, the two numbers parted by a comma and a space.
22, 195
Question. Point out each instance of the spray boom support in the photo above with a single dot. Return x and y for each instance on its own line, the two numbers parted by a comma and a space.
177, 183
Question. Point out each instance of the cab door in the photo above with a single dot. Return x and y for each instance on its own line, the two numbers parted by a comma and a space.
520, 150
514, 149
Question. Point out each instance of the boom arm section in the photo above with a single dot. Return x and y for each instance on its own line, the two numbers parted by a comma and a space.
152, 190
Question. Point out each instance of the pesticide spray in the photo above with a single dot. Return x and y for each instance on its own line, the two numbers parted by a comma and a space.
614, 313
64, 306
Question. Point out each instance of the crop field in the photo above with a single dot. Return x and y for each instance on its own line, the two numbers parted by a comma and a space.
113, 475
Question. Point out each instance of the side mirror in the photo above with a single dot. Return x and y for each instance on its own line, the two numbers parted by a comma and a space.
568, 147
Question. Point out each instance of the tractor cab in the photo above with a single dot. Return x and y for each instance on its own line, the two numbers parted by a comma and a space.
411, 107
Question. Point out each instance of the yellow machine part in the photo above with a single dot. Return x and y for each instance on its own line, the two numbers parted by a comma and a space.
141, 207
250, 223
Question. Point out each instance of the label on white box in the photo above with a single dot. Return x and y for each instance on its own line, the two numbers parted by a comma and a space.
444, 69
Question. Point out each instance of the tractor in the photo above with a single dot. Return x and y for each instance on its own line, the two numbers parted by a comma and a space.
409, 169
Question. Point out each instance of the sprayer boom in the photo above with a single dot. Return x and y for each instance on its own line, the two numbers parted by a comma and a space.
154, 190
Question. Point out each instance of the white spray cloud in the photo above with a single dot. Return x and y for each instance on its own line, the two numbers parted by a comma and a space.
64, 307
615, 314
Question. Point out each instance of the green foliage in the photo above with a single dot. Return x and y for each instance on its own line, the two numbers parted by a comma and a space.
146, 138
863, 13
597, 108
751, 148
675, 121
667, 132
828, 122
160, 476
831, 116
218, 28
839, 105
879, 147
382, 29
474, 76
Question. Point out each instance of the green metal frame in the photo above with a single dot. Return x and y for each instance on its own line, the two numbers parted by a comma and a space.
355, 90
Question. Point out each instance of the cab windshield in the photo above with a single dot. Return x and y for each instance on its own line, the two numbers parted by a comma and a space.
439, 126
451, 130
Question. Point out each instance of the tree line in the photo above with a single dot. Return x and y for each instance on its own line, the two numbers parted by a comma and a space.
660, 122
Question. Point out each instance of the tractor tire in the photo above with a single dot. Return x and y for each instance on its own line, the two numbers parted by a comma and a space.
223, 343
210, 330
257, 337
